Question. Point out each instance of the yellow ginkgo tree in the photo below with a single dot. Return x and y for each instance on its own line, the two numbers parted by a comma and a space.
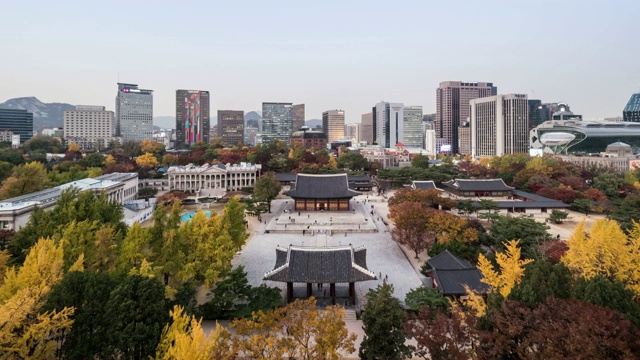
511, 268
24, 331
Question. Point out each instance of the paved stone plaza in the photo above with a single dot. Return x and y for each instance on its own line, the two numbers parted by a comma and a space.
384, 256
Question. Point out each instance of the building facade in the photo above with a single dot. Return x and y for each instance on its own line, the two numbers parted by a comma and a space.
430, 143
91, 127
366, 128
277, 121
333, 124
413, 126
192, 117
389, 123
134, 113
309, 139
631, 112
298, 117
464, 139
212, 180
231, 126
16, 212
19, 122
352, 131
499, 125
452, 108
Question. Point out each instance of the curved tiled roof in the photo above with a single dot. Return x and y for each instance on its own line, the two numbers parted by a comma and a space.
340, 264
312, 186
477, 185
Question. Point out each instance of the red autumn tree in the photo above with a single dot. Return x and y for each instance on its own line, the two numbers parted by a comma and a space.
410, 220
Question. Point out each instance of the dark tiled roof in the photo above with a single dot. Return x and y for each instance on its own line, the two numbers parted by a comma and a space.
282, 177
334, 186
424, 185
477, 185
452, 281
447, 260
320, 265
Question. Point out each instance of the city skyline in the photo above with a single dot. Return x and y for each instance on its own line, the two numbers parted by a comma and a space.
301, 66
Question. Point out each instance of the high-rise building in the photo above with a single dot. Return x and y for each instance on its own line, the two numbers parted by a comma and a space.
366, 128
277, 122
231, 126
192, 117
352, 131
537, 113
134, 113
464, 139
430, 143
413, 135
389, 122
19, 122
631, 112
499, 125
298, 117
91, 127
452, 109
333, 124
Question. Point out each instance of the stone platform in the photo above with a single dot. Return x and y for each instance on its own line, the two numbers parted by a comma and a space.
357, 220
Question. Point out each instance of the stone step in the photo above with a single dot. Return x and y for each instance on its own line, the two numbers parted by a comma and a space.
350, 315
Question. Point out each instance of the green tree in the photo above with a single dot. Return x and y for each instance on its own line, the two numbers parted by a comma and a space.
582, 205
601, 291
609, 183
234, 298
466, 250
352, 161
5, 170
137, 313
267, 188
131, 254
541, 280
233, 218
147, 193
488, 205
423, 296
420, 161
25, 179
505, 228
558, 216
627, 212
78, 238
467, 207
92, 160
88, 293
382, 322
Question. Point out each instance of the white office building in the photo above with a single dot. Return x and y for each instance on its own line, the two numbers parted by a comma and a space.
91, 127
15, 212
430, 141
134, 113
213, 180
333, 125
498, 125
388, 119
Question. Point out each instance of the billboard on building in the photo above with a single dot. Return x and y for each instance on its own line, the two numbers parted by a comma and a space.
193, 120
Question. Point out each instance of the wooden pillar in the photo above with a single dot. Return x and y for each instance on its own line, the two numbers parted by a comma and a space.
332, 291
309, 291
289, 292
352, 293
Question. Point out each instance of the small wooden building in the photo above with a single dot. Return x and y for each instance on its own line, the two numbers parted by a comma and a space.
321, 192
320, 265
450, 274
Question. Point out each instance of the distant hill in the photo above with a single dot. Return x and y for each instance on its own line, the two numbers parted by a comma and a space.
313, 123
45, 116
165, 122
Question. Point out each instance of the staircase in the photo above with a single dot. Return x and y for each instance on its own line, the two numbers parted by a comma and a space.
350, 315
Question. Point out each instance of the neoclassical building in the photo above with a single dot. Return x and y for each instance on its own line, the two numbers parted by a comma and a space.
213, 180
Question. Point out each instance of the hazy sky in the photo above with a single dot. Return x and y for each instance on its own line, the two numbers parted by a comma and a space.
327, 54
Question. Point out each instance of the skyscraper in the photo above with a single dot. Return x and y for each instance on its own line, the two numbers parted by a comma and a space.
277, 121
366, 128
333, 125
538, 113
499, 125
352, 131
19, 122
631, 112
389, 123
298, 117
452, 108
413, 135
91, 127
231, 126
134, 113
192, 117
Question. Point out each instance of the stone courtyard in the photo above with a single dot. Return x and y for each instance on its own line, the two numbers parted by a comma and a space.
358, 227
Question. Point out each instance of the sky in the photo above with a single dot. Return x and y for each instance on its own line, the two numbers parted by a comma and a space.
345, 55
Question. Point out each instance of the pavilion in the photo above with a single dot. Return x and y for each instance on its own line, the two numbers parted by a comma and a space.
321, 192
320, 265
450, 274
